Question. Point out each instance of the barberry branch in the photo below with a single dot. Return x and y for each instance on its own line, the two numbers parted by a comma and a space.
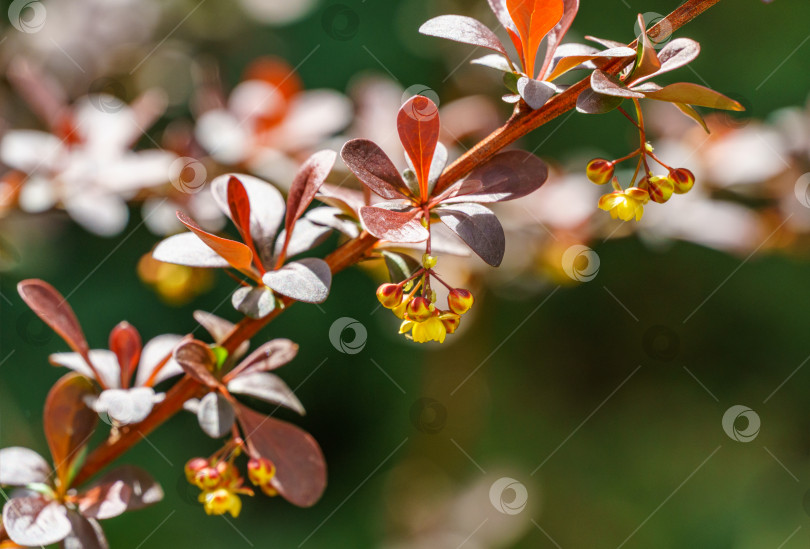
523, 121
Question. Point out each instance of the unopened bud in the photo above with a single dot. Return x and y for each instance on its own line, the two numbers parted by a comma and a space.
460, 300
599, 170
390, 295
682, 179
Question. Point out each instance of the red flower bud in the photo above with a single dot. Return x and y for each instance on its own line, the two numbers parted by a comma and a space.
660, 188
260, 471
599, 170
207, 478
419, 309
682, 179
390, 295
193, 466
460, 300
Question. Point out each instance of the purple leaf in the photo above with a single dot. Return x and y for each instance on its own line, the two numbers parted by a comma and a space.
463, 29
34, 521
590, 102
534, 92
400, 265
267, 387
187, 249
49, 305
125, 488
493, 61
610, 85
373, 168
306, 235
349, 201
306, 280
300, 467
675, 55
215, 415
271, 355
68, 422
478, 227
219, 329
605, 42
254, 301
393, 226
507, 176
305, 186
20, 466
502, 13
85, 534
333, 218
198, 361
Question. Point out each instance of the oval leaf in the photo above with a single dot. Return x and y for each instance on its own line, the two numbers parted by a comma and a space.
215, 415
239, 206
49, 305
418, 126
463, 29
187, 249
610, 85
590, 102
255, 302
267, 387
271, 355
393, 226
198, 361
534, 92
374, 169
126, 406
125, 342
67, 421
305, 186
34, 521
125, 488
674, 55
507, 176
478, 227
306, 280
300, 467
20, 466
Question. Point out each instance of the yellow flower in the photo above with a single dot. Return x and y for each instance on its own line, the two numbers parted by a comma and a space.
625, 205
432, 329
220, 501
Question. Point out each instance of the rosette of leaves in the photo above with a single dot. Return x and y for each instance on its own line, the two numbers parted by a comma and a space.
300, 467
46, 508
123, 400
257, 209
527, 22
413, 200
608, 91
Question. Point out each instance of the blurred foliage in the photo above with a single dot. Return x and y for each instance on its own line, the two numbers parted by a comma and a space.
629, 440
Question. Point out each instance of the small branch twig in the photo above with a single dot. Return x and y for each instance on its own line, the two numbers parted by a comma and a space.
521, 123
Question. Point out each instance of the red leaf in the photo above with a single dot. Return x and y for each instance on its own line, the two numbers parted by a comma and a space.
49, 305
570, 9
374, 169
303, 189
418, 126
239, 205
198, 361
534, 19
647, 62
125, 342
300, 466
67, 421
393, 226
235, 253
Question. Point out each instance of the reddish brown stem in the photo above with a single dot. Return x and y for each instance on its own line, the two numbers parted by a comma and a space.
523, 121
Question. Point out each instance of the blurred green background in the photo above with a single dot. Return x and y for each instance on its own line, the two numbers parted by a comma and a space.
621, 403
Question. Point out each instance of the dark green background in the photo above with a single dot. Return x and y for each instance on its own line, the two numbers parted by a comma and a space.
552, 372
